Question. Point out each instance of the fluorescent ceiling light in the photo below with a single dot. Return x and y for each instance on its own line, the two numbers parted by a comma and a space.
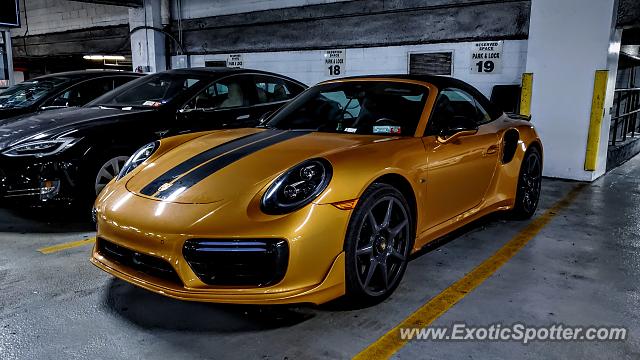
103, 57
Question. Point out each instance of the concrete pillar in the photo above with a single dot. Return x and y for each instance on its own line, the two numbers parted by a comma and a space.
147, 46
6, 58
568, 41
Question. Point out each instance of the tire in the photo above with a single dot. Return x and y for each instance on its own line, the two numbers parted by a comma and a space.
374, 241
529, 185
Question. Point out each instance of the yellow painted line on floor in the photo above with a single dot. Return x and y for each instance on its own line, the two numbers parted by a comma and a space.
65, 246
390, 343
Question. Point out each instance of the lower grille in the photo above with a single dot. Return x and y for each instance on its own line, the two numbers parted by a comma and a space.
259, 262
147, 264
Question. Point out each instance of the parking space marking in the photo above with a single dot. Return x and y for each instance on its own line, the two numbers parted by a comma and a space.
65, 246
387, 345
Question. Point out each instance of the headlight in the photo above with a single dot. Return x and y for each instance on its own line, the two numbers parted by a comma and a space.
138, 158
41, 148
297, 187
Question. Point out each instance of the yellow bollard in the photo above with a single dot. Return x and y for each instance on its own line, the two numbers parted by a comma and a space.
595, 123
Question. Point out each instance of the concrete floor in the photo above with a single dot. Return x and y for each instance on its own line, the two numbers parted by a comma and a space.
583, 268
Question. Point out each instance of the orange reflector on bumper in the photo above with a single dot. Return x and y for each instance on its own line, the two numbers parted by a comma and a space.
346, 205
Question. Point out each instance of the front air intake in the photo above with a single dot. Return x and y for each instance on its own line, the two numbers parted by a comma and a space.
231, 262
147, 264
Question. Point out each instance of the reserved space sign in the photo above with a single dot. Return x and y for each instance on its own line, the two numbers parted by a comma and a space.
334, 62
486, 57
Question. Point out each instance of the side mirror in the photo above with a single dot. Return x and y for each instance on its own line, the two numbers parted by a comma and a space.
458, 127
184, 113
263, 119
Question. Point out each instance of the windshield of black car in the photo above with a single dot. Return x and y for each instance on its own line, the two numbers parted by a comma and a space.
149, 91
29, 92
355, 107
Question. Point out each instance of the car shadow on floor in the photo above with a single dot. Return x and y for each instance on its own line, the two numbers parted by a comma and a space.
44, 220
152, 311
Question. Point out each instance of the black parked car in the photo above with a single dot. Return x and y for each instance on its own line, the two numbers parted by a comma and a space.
60, 90
71, 154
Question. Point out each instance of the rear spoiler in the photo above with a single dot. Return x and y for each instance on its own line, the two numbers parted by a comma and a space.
519, 116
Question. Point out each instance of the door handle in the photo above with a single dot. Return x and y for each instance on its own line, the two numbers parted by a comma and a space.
492, 150
243, 117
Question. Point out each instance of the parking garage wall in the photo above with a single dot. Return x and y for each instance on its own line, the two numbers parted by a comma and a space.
51, 16
194, 9
309, 67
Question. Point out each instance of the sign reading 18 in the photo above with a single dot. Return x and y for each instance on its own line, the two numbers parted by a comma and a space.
486, 66
334, 70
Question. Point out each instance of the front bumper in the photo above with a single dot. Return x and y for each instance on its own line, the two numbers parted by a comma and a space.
158, 230
37, 181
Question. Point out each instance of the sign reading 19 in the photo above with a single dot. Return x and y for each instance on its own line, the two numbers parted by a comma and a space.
486, 66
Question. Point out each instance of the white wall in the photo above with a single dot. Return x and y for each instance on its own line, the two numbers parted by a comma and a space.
309, 67
48, 16
568, 41
192, 9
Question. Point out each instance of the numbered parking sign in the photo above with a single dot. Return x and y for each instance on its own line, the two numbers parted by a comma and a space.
486, 57
235, 61
335, 62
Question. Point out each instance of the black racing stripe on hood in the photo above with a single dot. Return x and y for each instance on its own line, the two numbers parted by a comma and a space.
203, 157
221, 162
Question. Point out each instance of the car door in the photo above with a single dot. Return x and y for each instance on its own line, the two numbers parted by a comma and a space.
270, 93
225, 103
462, 155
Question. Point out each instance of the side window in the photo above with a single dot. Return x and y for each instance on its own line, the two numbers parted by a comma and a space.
224, 94
82, 93
272, 89
454, 106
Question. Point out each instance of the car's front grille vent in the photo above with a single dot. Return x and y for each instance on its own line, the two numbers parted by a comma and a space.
254, 262
147, 264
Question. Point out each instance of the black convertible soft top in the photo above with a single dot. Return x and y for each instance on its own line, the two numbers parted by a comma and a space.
441, 82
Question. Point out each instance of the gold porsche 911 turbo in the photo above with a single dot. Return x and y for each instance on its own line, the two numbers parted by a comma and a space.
328, 198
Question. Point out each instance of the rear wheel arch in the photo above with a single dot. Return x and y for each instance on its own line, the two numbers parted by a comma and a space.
538, 146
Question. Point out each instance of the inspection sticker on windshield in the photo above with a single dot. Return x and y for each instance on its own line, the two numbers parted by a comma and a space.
151, 103
387, 129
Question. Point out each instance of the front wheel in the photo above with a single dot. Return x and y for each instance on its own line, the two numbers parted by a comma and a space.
529, 185
379, 240
108, 171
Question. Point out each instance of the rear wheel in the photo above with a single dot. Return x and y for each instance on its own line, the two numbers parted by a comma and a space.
529, 184
378, 243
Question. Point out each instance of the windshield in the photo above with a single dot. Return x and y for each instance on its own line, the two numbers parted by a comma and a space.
355, 107
149, 91
29, 92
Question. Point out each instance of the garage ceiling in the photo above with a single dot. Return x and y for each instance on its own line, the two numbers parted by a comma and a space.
127, 3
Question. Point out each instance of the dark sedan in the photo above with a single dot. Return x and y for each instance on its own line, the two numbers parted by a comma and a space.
69, 155
60, 90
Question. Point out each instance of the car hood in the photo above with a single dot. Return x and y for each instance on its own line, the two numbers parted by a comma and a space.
57, 123
234, 164
6, 113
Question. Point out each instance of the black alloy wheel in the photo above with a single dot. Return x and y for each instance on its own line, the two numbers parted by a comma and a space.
379, 241
529, 185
